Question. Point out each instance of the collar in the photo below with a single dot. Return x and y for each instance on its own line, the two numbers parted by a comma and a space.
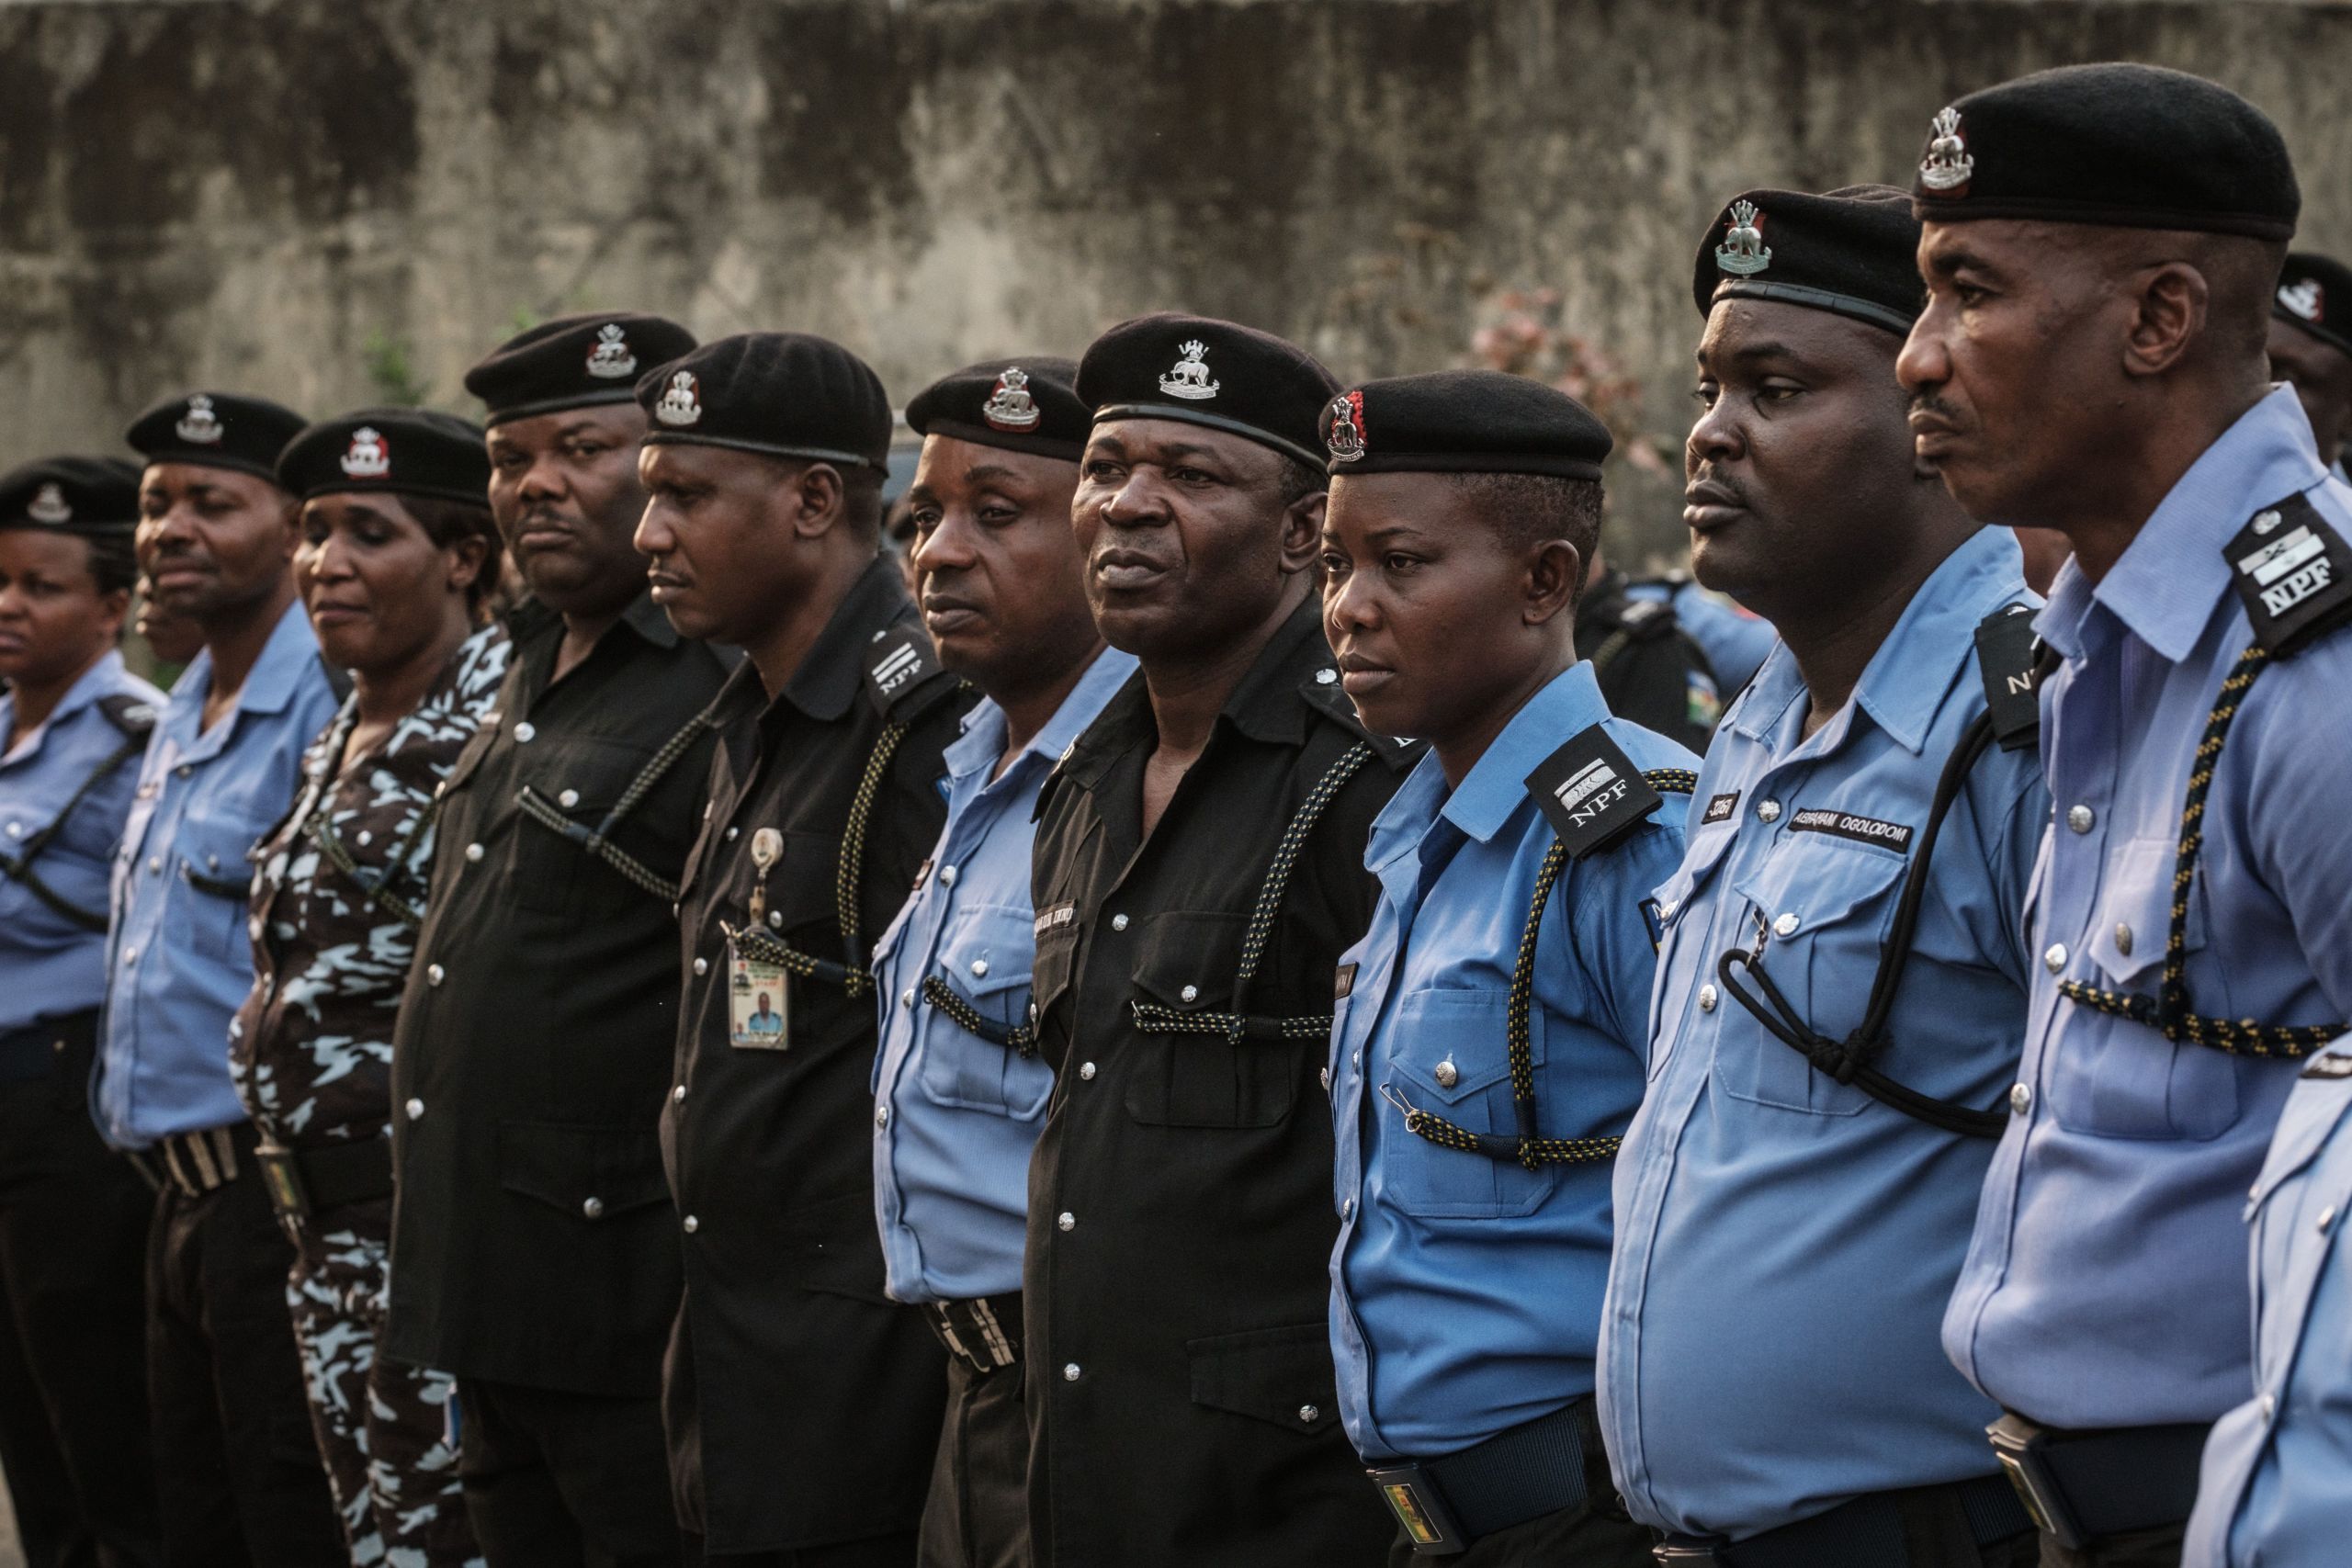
106, 676
650, 621
982, 742
834, 669
1496, 785
289, 658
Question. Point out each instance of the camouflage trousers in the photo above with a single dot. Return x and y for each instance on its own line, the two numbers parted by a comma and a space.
383, 1426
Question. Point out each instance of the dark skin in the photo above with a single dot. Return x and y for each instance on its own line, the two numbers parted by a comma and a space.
387, 604
172, 638
749, 550
1194, 561
1805, 499
2065, 376
998, 577
55, 621
2321, 377
565, 490
1443, 626
219, 547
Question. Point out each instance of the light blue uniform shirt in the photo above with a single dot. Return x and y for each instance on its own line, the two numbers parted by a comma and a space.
180, 962
1786, 1244
951, 1161
2277, 1490
2102, 1287
55, 966
1465, 1291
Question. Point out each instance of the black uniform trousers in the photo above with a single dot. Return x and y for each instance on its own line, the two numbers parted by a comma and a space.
2158, 1548
73, 1218
237, 1470
894, 1551
561, 1480
978, 1513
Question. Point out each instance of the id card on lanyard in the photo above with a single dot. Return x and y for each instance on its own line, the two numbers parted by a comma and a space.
759, 992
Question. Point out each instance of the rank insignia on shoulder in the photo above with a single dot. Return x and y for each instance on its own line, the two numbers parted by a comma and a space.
900, 662
2328, 1065
128, 714
1591, 792
2293, 573
2007, 659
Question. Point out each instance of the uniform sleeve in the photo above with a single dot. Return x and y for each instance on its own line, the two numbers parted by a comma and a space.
2012, 809
2301, 832
1608, 932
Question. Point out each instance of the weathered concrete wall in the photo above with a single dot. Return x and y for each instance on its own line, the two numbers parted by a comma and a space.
255, 191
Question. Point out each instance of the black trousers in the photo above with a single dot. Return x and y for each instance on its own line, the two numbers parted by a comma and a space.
237, 1469
1581, 1536
561, 1480
2141, 1548
977, 1515
872, 1551
73, 1219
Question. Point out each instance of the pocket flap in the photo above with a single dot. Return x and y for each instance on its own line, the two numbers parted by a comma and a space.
1822, 884
1280, 1376
1459, 1034
1187, 960
564, 1166
987, 951
2135, 912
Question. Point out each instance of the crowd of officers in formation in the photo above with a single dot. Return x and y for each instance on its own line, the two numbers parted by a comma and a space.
1198, 1037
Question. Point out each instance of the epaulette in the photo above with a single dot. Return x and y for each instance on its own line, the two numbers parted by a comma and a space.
2293, 573
1591, 792
2012, 661
134, 716
903, 674
1326, 696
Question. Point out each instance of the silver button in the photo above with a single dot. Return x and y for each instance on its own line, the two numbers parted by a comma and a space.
2123, 938
1347, 1208
1326, 677
1118, 922
473, 852
1785, 926
1706, 998
1190, 993
980, 967
433, 973
2270, 1406
130, 956
2021, 1098
523, 732
691, 1223
212, 863
568, 799
593, 1208
16, 830
1447, 1073
775, 918
1308, 1413
1327, 1081
186, 770
702, 966
1086, 1069
415, 1109
2326, 1218
907, 997
2055, 959
678, 1095
154, 865
733, 833
1067, 1220
881, 1116
1665, 910
1069, 1372
1768, 811
947, 876
2080, 817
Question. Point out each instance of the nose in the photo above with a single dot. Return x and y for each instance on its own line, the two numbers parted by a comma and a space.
653, 537
1137, 503
1716, 436
946, 547
1924, 363
329, 561
1348, 605
543, 480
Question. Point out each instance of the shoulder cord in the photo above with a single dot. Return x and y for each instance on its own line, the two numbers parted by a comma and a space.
1849, 1060
1529, 1147
1615, 643
2168, 1012
598, 841
850, 974
1240, 1023
20, 865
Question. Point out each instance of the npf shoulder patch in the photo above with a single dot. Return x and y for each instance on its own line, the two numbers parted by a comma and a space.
1895, 836
2008, 659
1591, 792
2293, 573
898, 664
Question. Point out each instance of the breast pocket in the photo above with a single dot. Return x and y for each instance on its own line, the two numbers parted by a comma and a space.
1193, 1075
581, 779
1448, 1053
2297, 1183
2124, 1080
1826, 907
1683, 967
984, 958
211, 861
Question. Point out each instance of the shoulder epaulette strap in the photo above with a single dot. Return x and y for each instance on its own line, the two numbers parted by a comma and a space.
2294, 572
135, 717
338, 680
903, 674
2012, 661
1591, 792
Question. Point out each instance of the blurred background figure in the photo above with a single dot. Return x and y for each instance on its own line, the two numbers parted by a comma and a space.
2311, 346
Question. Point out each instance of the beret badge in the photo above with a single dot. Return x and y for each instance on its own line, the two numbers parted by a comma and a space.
370, 456
199, 427
1010, 406
611, 359
1743, 251
1346, 442
680, 403
49, 505
1189, 378
2305, 298
1947, 167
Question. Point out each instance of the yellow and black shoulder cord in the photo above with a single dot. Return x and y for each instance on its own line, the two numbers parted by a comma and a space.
136, 721
1020, 1039
598, 840
1527, 1146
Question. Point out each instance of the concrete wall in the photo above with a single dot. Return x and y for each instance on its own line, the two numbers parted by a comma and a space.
255, 192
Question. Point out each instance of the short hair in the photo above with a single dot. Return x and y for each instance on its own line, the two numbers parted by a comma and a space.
446, 522
1297, 481
1528, 509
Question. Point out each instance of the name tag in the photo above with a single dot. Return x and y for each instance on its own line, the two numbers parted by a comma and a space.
759, 1003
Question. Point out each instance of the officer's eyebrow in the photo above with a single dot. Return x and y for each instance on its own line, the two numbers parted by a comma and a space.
1943, 263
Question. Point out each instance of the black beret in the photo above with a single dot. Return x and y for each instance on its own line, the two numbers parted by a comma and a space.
72, 495
1854, 250
1211, 373
2120, 145
781, 394
574, 362
2315, 294
395, 451
1021, 404
220, 430
1463, 422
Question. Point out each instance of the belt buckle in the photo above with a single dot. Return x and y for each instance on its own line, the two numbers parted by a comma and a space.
1670, 1554
2022, 1448
283, 1176
1421, 1510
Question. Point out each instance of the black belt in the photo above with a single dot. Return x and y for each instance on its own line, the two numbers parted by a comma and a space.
198, 1163
304, 1182
1447, 1504
983, 1333
1865, 1532
2082, 1487
34, 1051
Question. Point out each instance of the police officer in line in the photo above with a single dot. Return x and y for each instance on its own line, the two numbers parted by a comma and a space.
2102, 250
1652, 672
803, 1404
72, 1214
2311, 346
959, 1074
1199, 868
1842, 984
1491, 1030
534, 1252
237, 1480
1734, 640
2273, 1490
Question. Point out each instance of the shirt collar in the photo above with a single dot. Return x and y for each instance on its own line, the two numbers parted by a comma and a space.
102, 679
834, 667
982, 741
1496, 785
286, 660
650, 621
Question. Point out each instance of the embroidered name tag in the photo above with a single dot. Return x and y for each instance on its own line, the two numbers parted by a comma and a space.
1895, 836
1719, 809
1059, 915
2292, 573
1591, 792
1343, 981
2330, 1066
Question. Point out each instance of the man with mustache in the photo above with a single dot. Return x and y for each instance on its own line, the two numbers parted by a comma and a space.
959, 1074
1842, 980
532, 1253
234, 1482
1199, 868
1492, 1026
803, 1404
2311, 346
2102, 247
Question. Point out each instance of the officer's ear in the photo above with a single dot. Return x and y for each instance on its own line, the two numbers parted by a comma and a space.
1555, 574
2169, 302
815, 498
1303, 532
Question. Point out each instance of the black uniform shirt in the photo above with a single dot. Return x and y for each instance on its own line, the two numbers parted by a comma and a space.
803, 1405
1651, 671
531, 1235
1180, 1203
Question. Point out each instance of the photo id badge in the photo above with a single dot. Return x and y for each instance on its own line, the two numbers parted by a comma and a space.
759, 999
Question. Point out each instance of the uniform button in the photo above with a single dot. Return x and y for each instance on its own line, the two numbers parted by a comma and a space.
1086, 1070
1308, 1413
691, 1225
1069, 1372
2021, 1098
16, 830
130, 956
568, 799
881, 1116
523, 733
1347, 1209
433, 973
678, 1095
980, 967
2326, 1215
1326, 677
473, 852
1118, 922
184, 771
212, 863
154, 865
2080, 817
1447, 1073
1190, 993
947, 876
1785, 926
1327, 1081
775, 918
2055, 959
1665, 910
593, 1208
1706, 998
907, 997
702, 966
1768, 811
415, 1109
2123, 938
2270, 1406
1067, 1220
